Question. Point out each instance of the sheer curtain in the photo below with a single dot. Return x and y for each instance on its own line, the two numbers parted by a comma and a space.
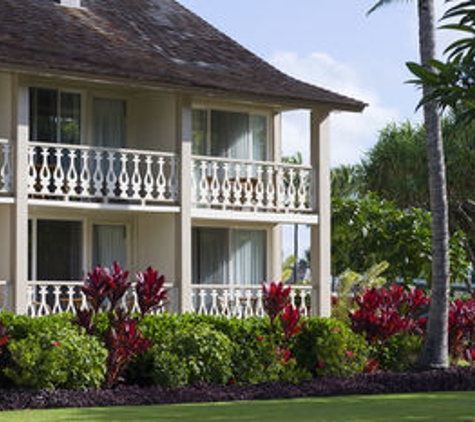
109, 245
248, 257
230, 134
210, 251
109, 127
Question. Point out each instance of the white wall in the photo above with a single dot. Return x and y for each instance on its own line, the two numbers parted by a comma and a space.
155, 243
153, 122
5, 105
5, 234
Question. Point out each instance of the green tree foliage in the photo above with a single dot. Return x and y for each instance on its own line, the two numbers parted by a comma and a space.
346, 181
368, 231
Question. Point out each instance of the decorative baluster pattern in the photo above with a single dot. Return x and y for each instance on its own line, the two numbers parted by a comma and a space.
99, 174
5, 168
251, 185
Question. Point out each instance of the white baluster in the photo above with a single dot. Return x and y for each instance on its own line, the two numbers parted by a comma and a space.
203, 183
259, 305
248, 309
259, 193
214, 186
43, 309
226, 186
72, 176
111, 177
237, 186
302, 178
85, 176
57, 304
248, 188
45, 173
70, 307
161, 180
291, 189
32, 171
280, 190
98, 175
84, 306
173, 180
237, 304
270, 189
225, 305
148, 179
58, 173
6, 169
202, 308
31, 300
124, 176
214, 303
136, 179
292, 297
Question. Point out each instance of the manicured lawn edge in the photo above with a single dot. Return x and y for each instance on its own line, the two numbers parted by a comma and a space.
455, 379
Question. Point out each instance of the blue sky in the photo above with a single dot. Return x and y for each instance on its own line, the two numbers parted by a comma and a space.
332, 44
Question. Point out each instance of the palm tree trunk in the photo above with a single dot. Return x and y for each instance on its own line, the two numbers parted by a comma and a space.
435, 352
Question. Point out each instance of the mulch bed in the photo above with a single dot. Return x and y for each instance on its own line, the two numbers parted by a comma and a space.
456, 379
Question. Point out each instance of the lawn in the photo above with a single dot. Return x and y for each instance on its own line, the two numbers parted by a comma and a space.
443, 407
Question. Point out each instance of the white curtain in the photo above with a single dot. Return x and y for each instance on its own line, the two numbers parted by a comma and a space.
109, 127
230, 134
109, 245
210, 251
248, 257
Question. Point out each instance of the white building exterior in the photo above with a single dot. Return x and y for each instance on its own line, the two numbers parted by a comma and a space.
180, 170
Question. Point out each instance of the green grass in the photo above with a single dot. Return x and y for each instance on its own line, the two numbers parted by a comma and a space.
444, 407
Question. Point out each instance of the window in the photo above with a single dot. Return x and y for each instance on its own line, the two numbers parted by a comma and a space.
229, 256
229, 134
55, 116
56, 248
109, 245
109, 122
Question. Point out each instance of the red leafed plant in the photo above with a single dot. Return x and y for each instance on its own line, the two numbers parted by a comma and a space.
380, 312
462, 330
150, 291
290, 322
274, 298
105, 290
3, 335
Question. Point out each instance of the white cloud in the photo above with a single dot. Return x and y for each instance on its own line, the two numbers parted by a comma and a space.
351, 134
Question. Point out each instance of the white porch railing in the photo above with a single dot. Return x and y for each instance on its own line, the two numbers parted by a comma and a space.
4, 295
241, 301
56, 297
226, 183
6, 172
89, 173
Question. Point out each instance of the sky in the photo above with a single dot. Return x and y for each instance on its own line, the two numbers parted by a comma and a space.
335, 45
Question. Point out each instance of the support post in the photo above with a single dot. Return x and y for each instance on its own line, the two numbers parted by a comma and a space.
183, 262
320, 234
19, 233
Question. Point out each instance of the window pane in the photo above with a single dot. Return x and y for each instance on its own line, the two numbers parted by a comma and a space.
59, 246
199, 131
248, 256
210, 247
43, 114
109, 245
229, 134
258, 126
109, 123
70, 118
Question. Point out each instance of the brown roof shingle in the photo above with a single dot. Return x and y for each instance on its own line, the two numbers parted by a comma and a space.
154, 41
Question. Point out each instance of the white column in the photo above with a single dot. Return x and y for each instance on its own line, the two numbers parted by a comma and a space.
275, 242
320, 234
183, 263
19, 233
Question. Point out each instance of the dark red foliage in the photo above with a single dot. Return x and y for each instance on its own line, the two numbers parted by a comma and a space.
383, 312
3, 335
274, 298
124, 342
105, 287
290, 322
462, 329
84, 318
150, 291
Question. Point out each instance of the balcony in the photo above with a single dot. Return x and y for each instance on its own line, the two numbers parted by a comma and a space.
105, 175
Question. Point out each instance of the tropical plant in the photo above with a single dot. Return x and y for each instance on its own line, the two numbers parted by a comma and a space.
435, 351
346, 181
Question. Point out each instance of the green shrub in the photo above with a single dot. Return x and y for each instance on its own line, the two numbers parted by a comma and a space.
399, 352
328, 347
51, 353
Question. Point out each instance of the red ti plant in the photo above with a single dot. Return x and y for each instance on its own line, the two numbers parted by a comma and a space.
150, 291
274, 298
3, 335
290, 322
105, 290
462, 330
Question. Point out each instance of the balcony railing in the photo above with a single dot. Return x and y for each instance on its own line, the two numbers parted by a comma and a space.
224, 183
56, 297
101, 174
5, 168
241, 301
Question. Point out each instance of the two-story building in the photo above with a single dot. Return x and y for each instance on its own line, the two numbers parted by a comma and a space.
135, 131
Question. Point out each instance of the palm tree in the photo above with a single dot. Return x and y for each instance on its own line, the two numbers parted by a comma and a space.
435, 352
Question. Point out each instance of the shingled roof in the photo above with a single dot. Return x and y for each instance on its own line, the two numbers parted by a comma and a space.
148, 41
